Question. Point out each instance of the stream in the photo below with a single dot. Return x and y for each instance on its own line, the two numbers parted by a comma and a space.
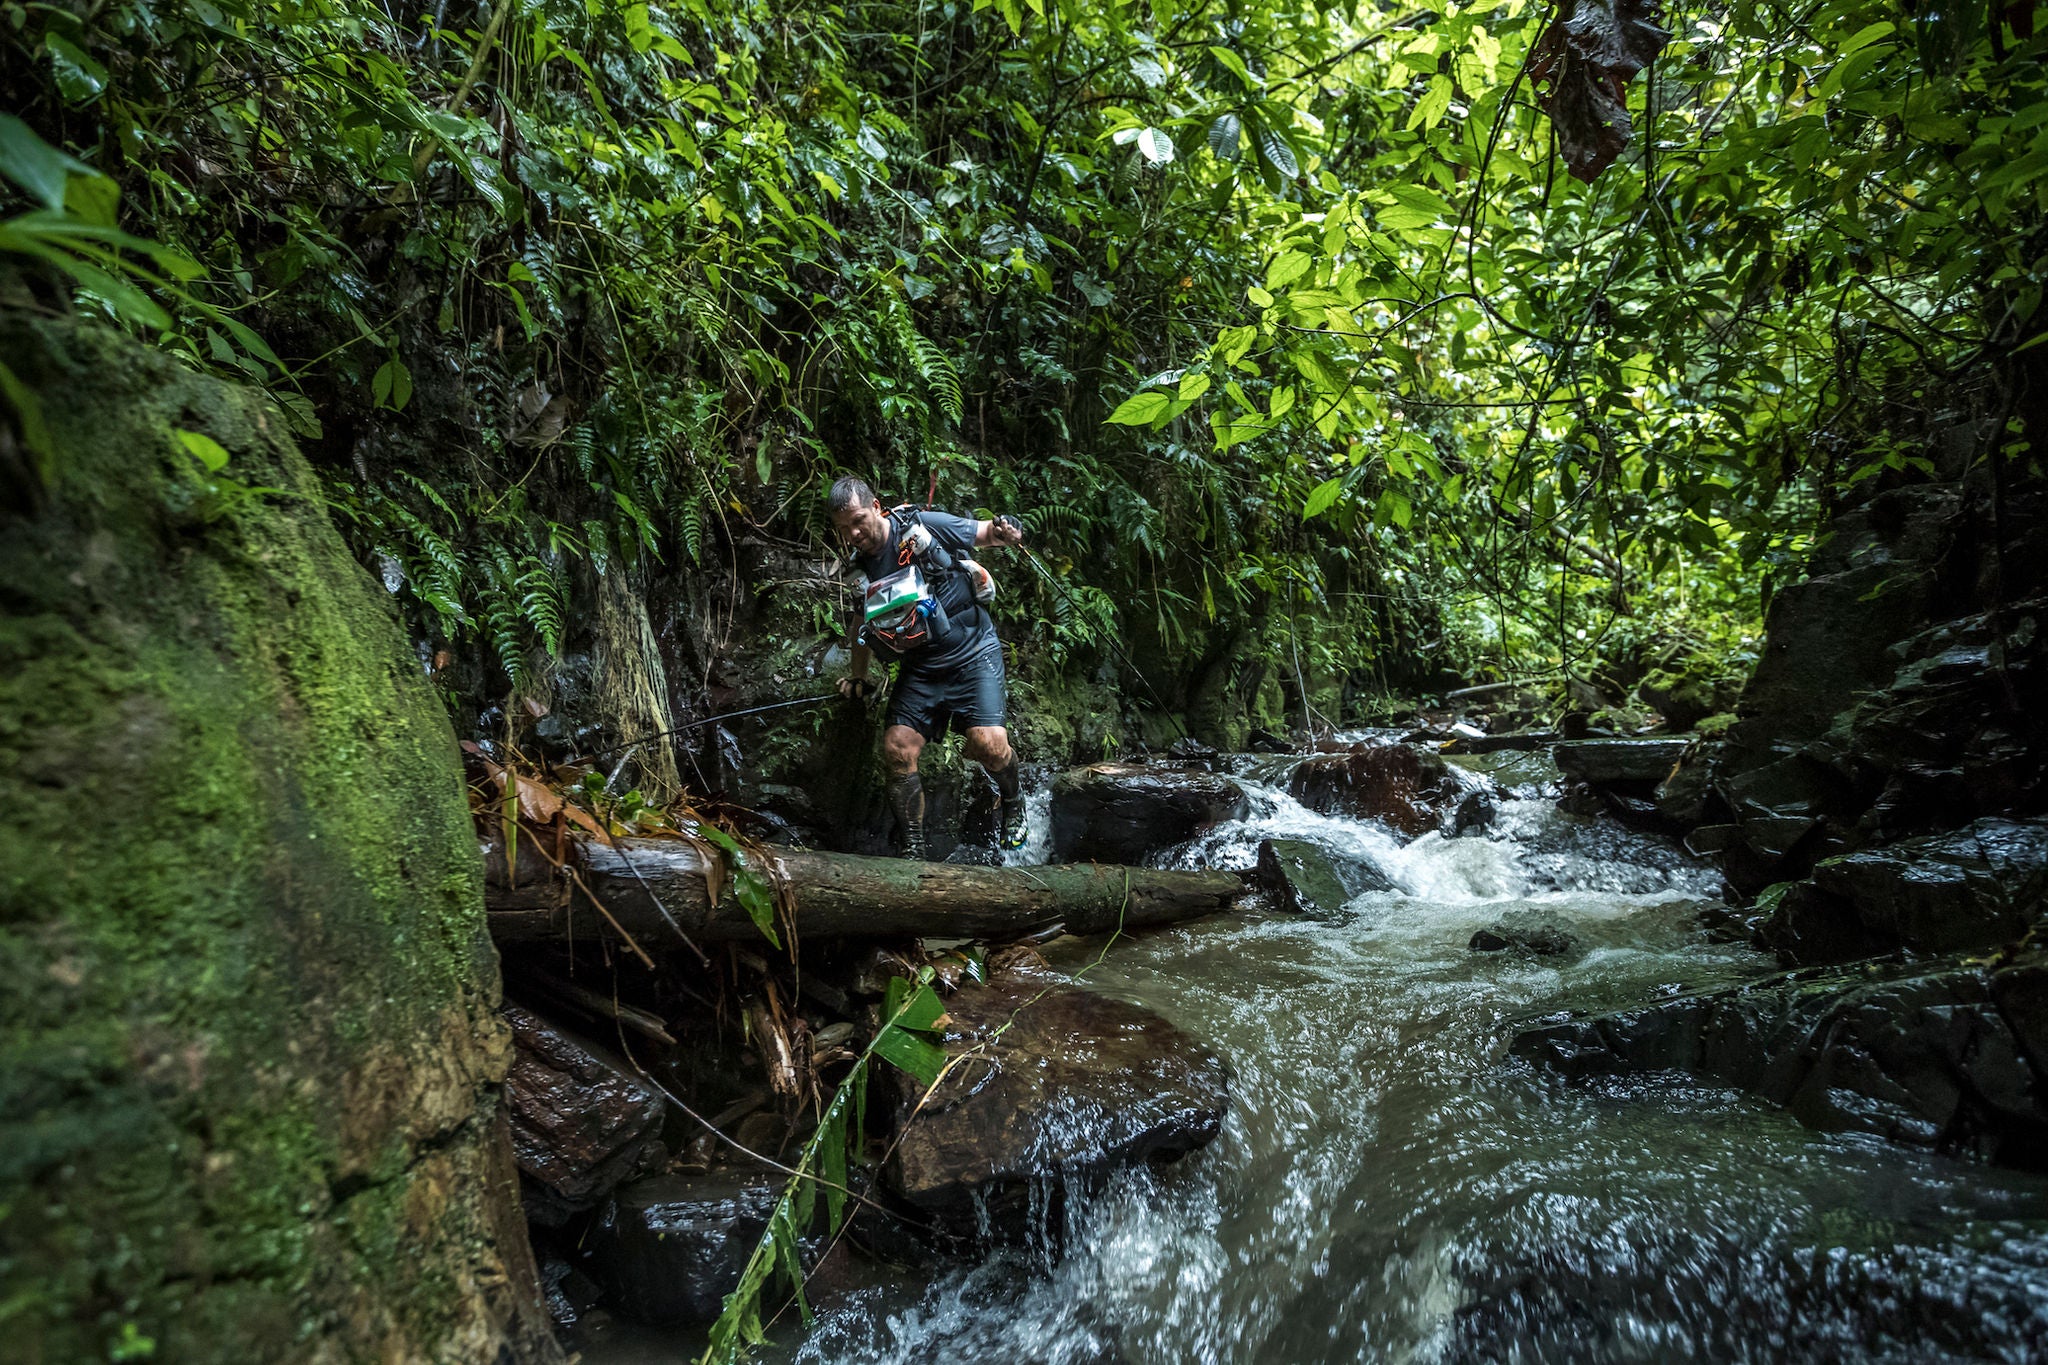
1390, 1186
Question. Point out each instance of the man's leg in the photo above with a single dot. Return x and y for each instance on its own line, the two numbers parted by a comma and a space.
989, 745
900, 747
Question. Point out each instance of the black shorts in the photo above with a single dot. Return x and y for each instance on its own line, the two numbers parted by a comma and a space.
958, 698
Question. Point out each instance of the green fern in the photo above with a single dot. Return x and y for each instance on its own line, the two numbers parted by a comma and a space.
543, 601
930, 362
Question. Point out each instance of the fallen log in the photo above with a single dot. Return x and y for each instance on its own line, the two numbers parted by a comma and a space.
836, 895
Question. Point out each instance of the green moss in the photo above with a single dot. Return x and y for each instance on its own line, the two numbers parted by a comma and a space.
239, 902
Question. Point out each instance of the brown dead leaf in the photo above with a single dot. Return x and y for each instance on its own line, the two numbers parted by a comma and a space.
537, 802
582, 818
1581, 67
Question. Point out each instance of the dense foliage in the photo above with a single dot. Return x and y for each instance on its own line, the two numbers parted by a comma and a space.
1261, 312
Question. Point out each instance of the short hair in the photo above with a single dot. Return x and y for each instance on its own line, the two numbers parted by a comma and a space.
849, 492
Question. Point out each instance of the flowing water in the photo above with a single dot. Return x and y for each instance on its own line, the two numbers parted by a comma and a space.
1390, 1186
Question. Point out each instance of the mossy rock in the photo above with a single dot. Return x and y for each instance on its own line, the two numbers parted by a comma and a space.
249, 1054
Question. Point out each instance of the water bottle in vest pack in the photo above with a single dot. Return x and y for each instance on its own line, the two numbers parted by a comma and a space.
902, 610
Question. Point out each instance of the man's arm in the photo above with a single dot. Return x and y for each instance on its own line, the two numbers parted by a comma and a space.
1002, 531
855, 683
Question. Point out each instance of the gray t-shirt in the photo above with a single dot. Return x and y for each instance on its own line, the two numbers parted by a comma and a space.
972, 630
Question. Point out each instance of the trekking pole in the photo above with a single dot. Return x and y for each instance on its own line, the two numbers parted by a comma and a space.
1115, 648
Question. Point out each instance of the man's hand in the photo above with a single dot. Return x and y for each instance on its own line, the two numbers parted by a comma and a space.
1007, 530
860, 689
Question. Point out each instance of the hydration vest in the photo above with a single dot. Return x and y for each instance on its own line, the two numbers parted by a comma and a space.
903, 610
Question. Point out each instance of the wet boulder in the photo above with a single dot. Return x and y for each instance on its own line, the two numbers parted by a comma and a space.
1306, 879
581, 1121
1123, 812
1618, 760
1405, 788
1974, 888
1945, 1055
1527, 933
1061, 1088
668, 1249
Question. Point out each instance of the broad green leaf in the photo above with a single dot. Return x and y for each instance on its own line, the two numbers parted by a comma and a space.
920, 1057
1287, 267
203, 448
1225, 134
1233, 63
1278, 154
1139, 409
391, 386
1430, 108
80, 79
34, 165
1321, 498
1865, 36
1156, 146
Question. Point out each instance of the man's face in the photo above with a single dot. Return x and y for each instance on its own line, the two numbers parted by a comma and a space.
861, 527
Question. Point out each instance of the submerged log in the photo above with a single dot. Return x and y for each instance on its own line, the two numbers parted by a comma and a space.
836, 895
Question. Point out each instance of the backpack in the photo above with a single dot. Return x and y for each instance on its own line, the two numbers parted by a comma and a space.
903, 611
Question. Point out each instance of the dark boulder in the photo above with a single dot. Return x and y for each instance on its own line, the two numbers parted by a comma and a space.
1405, 788
1944, 1055
581, 1121
1306, 879
1618, 760
1063, 1086
1682, 797
1527, 933
1900, 688
1974, 888
1124, 812
668, 1249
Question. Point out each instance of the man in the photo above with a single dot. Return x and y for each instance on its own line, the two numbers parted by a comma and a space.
951, 673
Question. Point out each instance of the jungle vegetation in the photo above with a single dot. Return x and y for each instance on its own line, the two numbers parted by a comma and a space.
1556, 325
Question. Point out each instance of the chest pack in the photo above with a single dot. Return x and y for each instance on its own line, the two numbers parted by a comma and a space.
905, 610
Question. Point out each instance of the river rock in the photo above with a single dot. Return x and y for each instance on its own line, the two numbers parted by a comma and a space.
1307, 880
1618, 760
1124, 812
1924, 1054
1900, 688
668, 1249
1403, 787
581, 1121
1077, 1085
1972, 889
1527, 933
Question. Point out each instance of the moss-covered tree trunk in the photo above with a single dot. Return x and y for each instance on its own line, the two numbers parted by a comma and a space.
249, 1054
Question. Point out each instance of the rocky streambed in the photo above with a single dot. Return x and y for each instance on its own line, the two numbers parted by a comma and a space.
1474, 1078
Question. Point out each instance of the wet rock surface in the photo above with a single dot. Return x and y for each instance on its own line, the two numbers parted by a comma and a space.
1948, 1055
668, 1249
1123, 812
1618, 760
581, 1121
1077, 1085
1528, 933
1398, 785
1975, 888
1306, 879
1900, 689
